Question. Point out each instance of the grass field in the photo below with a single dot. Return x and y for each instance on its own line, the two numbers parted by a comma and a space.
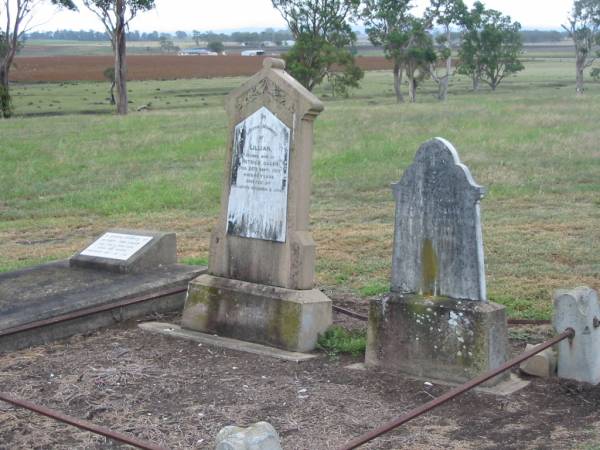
71, 169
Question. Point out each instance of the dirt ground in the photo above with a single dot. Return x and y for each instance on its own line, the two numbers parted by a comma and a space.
149, 67
180, 394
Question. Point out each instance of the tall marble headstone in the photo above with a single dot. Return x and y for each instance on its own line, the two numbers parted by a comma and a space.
262, 255
436, 322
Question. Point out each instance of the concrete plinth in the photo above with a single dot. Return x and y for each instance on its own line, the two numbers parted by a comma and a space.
283, 318
440, 338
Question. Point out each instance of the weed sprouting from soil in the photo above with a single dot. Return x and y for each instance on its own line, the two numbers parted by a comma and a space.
337, 340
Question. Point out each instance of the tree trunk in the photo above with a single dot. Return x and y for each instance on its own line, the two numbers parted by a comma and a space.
476, 82
398, 82
112, 93
412, 88
580, 65
443, 87
121, 58
5, 100
445, 80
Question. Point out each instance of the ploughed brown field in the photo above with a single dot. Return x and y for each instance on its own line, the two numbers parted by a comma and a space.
150, 67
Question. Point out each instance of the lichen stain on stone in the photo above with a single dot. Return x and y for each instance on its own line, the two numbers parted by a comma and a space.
428, 269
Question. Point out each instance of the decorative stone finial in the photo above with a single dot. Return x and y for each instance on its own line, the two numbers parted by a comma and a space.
274, 63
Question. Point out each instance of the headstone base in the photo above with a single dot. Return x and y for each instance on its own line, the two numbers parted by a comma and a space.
441, 338
284, 318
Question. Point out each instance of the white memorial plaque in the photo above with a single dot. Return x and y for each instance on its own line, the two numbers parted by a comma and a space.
116, 246
259, 178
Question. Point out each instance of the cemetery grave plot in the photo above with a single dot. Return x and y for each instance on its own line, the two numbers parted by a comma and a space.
179, 394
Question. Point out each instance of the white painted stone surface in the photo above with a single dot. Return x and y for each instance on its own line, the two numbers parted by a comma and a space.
259, 178
259, 436
579, 358
116, 246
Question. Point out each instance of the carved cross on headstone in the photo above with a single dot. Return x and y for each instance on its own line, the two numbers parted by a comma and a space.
438, 248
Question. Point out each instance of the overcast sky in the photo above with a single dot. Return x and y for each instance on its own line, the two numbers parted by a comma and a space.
216, 15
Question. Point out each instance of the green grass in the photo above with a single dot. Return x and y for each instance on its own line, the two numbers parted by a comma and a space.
337, 340
195, 261
70, 169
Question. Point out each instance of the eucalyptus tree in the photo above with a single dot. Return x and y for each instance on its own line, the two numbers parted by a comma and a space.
323, 40
446, 14
584, 29
16, 16
116, 15
491, 47
418, 55
388, 24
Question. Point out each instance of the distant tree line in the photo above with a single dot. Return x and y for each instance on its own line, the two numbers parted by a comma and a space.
538, 36
89, 35
268, 34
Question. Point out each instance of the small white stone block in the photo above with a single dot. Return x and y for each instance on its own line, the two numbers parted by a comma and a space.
541, 365
579, 358
259, 436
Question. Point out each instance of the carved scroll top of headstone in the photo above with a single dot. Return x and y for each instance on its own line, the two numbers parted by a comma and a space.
274, 88
438, 249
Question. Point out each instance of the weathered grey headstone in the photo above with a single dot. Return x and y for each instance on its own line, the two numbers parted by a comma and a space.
259, 436
438, 247
124, 251
436, 322
260, 285
578, 358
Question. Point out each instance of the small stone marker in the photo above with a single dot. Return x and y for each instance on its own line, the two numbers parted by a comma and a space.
259, 436
436, 323
262, 256
116, 246
541, 365
579, 358
126, 251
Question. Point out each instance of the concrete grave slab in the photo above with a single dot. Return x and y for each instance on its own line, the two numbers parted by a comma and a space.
508, 386
173, 330
56, 300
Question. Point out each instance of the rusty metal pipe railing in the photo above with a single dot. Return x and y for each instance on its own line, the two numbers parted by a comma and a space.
79, 423
568, 333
